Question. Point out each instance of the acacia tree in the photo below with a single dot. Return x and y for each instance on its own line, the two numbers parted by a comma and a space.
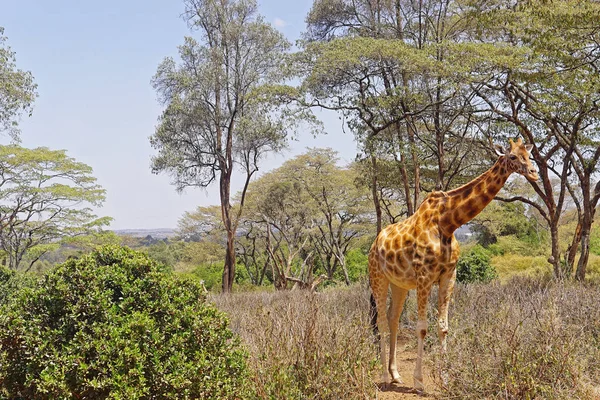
302, 216
282, 209
17, 90
43, 194
391, 69
341, 214
214, 122
552, 98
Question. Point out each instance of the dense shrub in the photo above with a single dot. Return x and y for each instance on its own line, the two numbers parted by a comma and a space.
210, 274
11, 282
357, 263
475, 266
306, 345
115, 324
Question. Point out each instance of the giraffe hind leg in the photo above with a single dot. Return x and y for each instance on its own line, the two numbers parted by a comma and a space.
379, 288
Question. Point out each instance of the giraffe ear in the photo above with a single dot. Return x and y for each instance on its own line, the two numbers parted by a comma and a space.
528, 147
499, 150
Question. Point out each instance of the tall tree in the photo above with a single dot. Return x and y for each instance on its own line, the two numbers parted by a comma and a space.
341, 207
17, 90
44, 197
214, 122
305, 214
552, 98
390, 68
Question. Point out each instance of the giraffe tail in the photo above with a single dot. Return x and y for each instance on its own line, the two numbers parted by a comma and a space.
373, 315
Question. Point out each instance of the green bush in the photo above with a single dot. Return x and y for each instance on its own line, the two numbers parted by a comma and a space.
115, 324
474, 266
211, 274
11, 282
357, 263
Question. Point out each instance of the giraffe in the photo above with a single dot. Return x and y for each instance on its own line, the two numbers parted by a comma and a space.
422, 250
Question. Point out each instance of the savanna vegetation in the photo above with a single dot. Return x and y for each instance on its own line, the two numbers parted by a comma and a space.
425, 88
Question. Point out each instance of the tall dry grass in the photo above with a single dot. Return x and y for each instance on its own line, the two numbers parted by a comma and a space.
530, 338
306, 345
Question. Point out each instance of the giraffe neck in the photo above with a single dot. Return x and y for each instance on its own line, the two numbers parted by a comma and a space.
466, 202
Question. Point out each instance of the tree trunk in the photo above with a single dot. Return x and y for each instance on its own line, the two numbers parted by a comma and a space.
374, 191
572, 250
586, 227
584, 257
415, 160
404, 173
344, 270
555, 257
229, 268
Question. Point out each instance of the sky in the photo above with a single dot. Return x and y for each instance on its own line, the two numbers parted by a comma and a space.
93, 62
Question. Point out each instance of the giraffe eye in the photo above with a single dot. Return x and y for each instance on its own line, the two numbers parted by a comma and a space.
513, 157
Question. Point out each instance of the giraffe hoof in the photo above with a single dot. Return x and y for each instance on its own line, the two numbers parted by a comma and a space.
395, 376
398, 380
385, 381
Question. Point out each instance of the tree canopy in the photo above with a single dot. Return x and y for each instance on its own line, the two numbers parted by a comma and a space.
45, 195
215, 121
17, 90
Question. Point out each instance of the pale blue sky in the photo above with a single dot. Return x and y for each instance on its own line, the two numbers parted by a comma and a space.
93, 62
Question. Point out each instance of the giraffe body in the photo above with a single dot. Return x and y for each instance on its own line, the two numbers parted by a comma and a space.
422, 251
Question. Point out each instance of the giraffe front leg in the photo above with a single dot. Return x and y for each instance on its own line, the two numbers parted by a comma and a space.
423, 289
398, 298
445, 294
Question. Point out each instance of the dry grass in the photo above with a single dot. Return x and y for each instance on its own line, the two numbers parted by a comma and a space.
304, 345
527, 339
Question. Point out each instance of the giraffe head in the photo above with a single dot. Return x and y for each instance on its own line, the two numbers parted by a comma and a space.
517, 159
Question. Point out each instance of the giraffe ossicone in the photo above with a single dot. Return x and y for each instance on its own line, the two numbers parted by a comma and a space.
421, 251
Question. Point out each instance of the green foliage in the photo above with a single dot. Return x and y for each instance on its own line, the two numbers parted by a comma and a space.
166, 252
11, 282
17, 90
475, 266
513, 245
506, 219
510, 264
356, 263
211, 274
45, 196
115, 324
217, 67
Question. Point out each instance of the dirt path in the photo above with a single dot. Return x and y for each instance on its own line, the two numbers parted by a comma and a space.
406, 356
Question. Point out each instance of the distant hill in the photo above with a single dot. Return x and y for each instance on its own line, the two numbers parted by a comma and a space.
158, 233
